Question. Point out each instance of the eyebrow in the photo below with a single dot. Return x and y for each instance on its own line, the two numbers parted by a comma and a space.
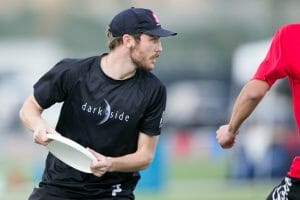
154, 37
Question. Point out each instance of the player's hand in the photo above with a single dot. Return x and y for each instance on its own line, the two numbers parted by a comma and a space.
101, 165
225, 138
41, 131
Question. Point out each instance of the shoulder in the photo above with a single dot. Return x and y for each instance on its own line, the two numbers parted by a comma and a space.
290, 29
291, 26
287, 35
77, 63
74, 67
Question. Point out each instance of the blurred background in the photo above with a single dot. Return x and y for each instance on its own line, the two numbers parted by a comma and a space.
218, 48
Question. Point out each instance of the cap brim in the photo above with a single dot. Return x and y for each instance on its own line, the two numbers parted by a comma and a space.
160, 32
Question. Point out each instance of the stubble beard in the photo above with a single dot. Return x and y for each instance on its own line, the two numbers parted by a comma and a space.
139, 61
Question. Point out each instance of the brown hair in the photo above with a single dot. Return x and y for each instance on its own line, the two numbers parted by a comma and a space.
113, 42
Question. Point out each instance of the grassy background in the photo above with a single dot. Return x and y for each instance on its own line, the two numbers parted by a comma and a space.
179, 190
211, 190
197, 180
190, 180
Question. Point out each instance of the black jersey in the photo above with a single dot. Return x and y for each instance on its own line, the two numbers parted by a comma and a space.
101, 113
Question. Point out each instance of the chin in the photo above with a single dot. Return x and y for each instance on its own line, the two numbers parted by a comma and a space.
148, 68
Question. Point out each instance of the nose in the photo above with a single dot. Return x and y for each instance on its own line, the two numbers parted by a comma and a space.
159, 47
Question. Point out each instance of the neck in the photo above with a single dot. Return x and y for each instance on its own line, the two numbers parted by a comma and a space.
118, 66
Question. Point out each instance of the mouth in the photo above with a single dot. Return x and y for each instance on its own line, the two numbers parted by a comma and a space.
154, 57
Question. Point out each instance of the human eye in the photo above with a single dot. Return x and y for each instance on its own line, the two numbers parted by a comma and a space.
155, 39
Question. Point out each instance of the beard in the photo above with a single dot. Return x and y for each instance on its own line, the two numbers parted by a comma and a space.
139, 59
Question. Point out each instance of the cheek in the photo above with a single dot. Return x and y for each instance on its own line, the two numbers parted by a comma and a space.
141, 53
145, 48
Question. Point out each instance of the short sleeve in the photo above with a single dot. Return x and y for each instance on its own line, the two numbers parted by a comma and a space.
274, 66
152, 120
54, 86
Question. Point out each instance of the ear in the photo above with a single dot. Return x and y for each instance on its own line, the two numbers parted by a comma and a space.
128, 40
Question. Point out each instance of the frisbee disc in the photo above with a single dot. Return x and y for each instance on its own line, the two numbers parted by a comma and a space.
70, 152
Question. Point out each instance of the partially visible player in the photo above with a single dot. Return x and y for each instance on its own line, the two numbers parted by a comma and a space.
113, 104
281, 61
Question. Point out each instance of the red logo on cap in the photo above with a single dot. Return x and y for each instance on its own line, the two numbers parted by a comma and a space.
156, 19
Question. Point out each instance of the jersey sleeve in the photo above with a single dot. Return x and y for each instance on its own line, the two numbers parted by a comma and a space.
152, 120
274, 66
54, 86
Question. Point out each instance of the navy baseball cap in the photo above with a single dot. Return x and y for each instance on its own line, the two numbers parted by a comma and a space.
137, 20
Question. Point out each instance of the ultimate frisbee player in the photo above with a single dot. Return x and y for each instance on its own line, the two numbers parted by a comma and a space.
112, 104
281, 61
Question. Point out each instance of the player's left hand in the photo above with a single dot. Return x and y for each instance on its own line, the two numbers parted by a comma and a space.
101, 165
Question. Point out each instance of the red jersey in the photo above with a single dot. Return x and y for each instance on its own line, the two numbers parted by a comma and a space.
283, 60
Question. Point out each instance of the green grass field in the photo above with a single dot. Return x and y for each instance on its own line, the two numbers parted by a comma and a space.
195, 180
183, 190
188, 180
211, 190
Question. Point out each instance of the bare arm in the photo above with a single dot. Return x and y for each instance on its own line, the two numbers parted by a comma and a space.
139, 160
248, 99
30, 115
250, 96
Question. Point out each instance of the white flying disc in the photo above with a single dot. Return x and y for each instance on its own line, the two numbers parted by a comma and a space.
70, 152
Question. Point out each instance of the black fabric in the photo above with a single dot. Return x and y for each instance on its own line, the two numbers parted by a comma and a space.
100, 113
288, 189
48, 193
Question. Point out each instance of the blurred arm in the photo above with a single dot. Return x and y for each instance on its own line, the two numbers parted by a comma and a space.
248, 99
252, 93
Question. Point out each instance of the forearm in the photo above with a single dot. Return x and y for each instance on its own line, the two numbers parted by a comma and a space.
249, 98
131, 162
139, 160
241, 111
